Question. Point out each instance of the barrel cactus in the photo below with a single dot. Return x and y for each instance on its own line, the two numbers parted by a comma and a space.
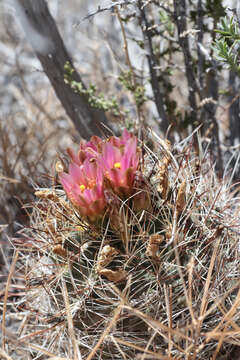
134, 254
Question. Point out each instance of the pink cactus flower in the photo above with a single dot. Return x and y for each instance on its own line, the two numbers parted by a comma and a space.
122, 140
84, 187
87, 150
119, 165
98, 166
93, 148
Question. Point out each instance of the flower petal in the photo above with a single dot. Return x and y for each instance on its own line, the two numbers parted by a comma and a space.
66, 181
77, 174
73, 156
126, 135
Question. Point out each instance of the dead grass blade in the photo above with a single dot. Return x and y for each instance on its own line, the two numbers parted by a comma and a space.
147, 353
39, 332
168, 299
10, 275
9, 179
77, 355
204, 302
46, 352
4, 355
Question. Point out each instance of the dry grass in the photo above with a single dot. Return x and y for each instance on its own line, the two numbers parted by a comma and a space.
170, 285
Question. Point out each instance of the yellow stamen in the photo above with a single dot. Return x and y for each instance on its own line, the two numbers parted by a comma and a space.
117, 165
82, 187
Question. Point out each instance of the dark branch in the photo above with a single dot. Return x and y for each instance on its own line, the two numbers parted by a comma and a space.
180, 19
42, 33
152, 63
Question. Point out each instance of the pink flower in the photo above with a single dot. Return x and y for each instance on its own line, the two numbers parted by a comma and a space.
87, 150
100, 165
84, 187
119, 165
122, 140
93, 148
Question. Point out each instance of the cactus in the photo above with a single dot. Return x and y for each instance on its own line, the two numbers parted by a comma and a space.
137, 256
